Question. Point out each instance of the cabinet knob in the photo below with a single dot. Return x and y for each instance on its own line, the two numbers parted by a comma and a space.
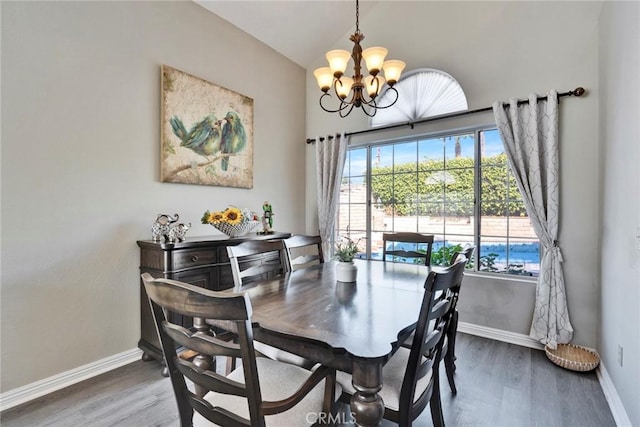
194, 258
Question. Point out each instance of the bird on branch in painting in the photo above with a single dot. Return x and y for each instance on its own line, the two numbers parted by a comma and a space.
203, 138
234, 137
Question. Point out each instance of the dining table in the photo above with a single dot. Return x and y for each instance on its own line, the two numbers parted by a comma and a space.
352, 327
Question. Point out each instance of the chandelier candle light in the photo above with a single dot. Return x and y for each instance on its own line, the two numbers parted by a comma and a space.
351, 91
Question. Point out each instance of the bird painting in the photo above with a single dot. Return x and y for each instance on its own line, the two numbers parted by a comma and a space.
204, 138
234, 137
206, 132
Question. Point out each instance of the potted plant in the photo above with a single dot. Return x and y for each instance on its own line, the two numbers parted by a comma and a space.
344, 252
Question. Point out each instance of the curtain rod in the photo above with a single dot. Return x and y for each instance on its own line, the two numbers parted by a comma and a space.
579, 91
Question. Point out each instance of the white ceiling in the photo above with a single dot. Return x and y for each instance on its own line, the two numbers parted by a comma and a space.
301, 30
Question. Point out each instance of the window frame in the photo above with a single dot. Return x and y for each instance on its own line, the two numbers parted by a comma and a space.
476, 130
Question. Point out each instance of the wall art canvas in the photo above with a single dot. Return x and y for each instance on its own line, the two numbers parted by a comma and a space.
206, 132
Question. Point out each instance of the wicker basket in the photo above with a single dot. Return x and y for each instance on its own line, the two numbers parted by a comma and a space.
573, 357
236, 230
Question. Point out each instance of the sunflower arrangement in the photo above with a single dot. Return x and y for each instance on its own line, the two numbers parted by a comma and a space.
232, 221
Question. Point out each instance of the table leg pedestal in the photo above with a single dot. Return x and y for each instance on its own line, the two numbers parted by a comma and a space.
366, 405
202, 361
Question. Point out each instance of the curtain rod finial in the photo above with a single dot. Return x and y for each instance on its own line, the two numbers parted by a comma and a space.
310, 141
579, 91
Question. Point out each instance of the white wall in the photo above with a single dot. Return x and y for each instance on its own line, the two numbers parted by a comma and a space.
80, 164
499, 50
620, 146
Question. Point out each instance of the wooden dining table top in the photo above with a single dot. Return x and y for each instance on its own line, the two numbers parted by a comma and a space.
363, 319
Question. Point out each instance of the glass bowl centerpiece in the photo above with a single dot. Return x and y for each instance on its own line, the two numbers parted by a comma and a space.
234, 222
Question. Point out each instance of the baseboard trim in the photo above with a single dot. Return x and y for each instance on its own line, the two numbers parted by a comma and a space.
40, 388
613, 398
499, 335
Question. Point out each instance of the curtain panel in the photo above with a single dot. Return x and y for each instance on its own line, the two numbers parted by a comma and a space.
530, 136
330, 158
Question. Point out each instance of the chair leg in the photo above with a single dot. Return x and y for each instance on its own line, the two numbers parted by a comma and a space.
450, 368
452, 338
435, 404
450, 357
328, 405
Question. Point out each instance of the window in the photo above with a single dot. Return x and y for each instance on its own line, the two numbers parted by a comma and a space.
421, 93
431, 185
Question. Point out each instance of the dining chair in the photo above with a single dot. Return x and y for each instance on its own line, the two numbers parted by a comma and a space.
262, 392
449, 344
417, 240
298, 250
242, 255
245, 269
452, 330
467, 252
410, 379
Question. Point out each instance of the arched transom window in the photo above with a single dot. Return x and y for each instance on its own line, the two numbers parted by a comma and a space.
421, 93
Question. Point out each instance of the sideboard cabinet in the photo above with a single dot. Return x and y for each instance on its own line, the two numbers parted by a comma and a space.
200, 261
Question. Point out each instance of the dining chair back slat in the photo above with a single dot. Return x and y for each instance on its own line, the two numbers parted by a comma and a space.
391, 240
245, 267
468, 253
298, 247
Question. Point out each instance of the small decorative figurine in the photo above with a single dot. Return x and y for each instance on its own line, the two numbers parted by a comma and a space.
178, 232
162, 225
267, 218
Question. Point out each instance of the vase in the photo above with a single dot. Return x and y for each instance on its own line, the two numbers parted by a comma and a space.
346, 272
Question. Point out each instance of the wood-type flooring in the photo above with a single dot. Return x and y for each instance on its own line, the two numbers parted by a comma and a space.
499, 384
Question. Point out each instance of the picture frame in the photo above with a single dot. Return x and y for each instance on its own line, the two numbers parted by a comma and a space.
206, 132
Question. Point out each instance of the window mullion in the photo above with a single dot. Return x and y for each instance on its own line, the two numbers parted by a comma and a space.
507, 251
368, 202
444, 191
477, 196
417, 198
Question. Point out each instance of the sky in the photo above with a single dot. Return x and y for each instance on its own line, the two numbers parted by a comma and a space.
421, 149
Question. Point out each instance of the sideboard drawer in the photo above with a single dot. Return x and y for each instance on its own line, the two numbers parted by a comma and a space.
194, 258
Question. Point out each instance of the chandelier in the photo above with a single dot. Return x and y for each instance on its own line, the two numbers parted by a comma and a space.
358, 91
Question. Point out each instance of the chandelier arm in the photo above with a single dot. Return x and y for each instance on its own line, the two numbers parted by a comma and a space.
361, 96
343, 105
337, 82
367, 100
343, 114
371, 99
382, 107
372, 108
355, 96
